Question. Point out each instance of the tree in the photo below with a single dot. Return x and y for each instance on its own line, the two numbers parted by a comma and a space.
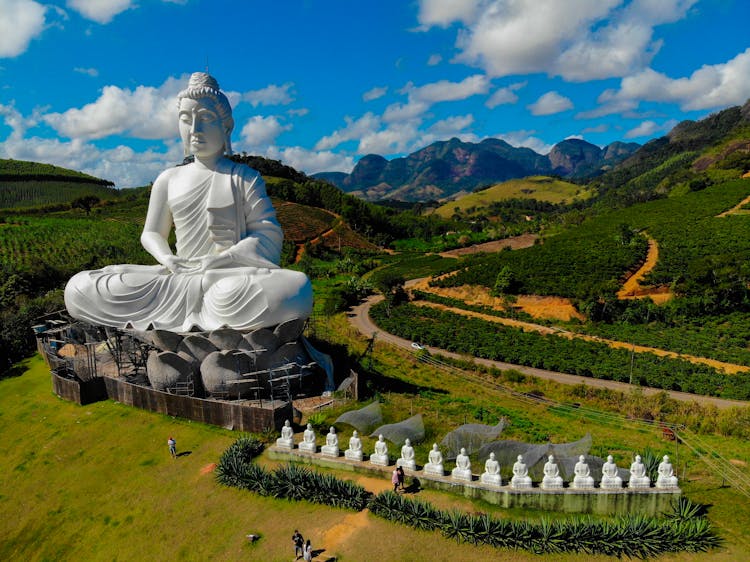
85, 202
505, 282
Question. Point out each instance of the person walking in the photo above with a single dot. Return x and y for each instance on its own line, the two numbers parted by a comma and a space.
394, 479
299, 544
307, 554
172, 447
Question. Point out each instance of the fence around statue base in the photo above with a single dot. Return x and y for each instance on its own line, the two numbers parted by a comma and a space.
230, 415
623, 501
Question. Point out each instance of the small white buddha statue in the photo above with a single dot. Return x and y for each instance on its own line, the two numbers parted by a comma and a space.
286, 441
463, 467
666, 477
308, 440
521, 478
331, 448
552, 479
407, 456
380, 455
354, 452
491, 474
638, 476
610, 477
582, 478
434, 464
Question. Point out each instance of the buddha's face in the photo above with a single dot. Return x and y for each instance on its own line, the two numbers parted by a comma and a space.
201, 129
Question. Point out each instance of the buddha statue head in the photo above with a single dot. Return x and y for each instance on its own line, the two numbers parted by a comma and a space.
205, 117
610, 459
331, 429
407, 443
581, 458
434, 447
550, 458
492, 456
520, 458
666, 458
355, 434
638, 459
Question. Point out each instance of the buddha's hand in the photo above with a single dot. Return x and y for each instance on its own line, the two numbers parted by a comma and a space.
176, 264
216, 261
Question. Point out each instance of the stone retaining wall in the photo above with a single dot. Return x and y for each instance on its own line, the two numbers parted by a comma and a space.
597, 501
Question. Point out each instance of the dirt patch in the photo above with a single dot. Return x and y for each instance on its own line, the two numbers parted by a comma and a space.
515, 243
738, 462
341, 532
738, 207
208, 468
632, 288
551, 308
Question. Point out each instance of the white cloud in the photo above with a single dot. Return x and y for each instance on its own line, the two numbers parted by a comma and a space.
526, 139
93, 72
601, 128
100, 11
122, 165
355, 129
401, 112
452, 125
375, 93
709, 87
434, 60
20, 22
261, 131
444, 90
650, 128
270, 95
505, 95
550, 103
145, 113
395, 138
299, 112
311, 161
445, 12
17, 122
577, 39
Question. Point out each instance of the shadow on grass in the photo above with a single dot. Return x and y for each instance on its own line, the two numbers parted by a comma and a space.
414, 487
184, 453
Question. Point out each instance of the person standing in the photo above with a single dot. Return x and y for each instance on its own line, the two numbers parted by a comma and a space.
172, 447
400, 476
299, 544
394, 479
307, 554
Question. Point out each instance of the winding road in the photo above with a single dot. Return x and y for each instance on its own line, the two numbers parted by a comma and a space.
360, 319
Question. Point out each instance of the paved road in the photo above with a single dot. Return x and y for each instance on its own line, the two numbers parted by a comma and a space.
360, 319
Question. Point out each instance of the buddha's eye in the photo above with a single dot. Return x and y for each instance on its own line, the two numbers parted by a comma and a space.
185, 117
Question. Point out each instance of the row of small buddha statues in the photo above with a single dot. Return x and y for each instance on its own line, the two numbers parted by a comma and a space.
552, 479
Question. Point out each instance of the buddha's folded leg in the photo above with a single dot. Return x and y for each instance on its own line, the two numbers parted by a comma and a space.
133, 296
251, 298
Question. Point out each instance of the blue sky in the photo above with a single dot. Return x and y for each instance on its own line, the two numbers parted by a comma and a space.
91, 84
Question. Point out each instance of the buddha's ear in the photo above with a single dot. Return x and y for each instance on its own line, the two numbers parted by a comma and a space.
228, 141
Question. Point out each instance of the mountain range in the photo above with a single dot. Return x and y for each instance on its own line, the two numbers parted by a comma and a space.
447, 169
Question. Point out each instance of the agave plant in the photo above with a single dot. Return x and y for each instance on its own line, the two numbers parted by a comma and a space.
231, 468
683, 509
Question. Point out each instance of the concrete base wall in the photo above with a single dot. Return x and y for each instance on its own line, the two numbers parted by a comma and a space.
596, 501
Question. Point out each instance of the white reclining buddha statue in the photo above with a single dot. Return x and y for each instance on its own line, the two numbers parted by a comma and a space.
225, 270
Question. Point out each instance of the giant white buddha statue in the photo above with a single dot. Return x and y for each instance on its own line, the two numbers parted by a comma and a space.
225, 270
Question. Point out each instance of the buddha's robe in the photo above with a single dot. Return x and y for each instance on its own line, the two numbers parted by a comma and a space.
227, 212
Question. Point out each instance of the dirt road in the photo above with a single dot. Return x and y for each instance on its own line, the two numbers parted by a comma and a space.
360, 319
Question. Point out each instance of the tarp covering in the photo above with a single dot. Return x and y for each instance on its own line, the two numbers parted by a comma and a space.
364, 419
397, 433
322, 359
470, 436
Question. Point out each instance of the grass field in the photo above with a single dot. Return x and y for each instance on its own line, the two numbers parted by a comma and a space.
97, 483
541, 188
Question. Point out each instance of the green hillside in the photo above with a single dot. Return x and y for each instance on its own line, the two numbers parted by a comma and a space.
28, 184
540, 188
